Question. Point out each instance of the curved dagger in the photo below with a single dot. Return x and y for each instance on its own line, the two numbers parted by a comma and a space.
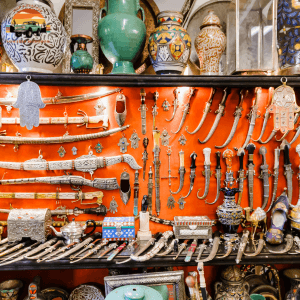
214, 250
229, 247
207, 173
296, 135
185, 111
266, 116
48, 250
220, 114
169, 249
289, 244
260, 246
253, 115
56, 250
264, 175
201, 248
181, 172
250, 173
237, 115
205, 112
242, 246
241, 176
86, 248
275, 174
288, 169
193, 173
218, 176
175, 104
181, 248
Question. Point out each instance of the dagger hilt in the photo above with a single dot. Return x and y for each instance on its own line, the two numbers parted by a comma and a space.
155, 96
145, 143
258, 91
193, 157
285, 146
143, 95
241, 159
218, 156
206, 152
263, 151
250, 148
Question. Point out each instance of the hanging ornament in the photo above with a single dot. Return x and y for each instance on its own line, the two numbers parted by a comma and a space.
171, 202
134, 139
98, 148
165, 137
74, 150
113, 206
61, 151
181, 202
123, 144
166, 105
182, 140
29, 102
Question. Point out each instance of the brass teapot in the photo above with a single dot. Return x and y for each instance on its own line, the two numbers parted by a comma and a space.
74, 231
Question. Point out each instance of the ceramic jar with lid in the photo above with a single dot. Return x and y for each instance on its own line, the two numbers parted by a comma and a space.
33, 37
170, 44
210, 45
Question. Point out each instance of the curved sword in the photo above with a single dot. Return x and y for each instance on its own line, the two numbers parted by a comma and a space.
181, 173
237, 115
193, 173
206, 172
296, 135
253, 115
220, 114
229, 247
185, 111
175, 104
205, 112
218, 176
214, 250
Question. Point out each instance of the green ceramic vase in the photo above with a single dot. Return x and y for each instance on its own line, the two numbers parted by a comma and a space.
122, 34
81, 61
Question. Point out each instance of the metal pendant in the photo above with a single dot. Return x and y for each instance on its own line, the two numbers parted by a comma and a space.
284, 107
61, 151
171, 202
74, 150
29, 102
113, 206
98, 148
134, 139
182, 140
125, 189
101, 111
120, 109
165, 137
166, 105
181, 202
123, 144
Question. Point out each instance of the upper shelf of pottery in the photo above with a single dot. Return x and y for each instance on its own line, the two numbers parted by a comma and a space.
220, 38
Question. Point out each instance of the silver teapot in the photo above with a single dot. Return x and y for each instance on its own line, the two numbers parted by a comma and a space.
74, 231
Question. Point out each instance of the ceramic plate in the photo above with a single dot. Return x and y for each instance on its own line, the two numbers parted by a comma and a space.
86, 292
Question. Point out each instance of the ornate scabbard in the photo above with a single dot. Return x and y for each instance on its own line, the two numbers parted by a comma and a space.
156, 162
56, 251
288, 246
181, 172
242, 246
136, 188
201, 248
110, 247
98, 183
214, 250
175, 104
118, 250
86, 163
181, 248
260, 246
218, 176
193, 172
207, 175
250, 173
288, 169
14, 248
145, 156
150, 190
48, 250
18, 140
229, 248
241, 176
40, 248
169, 249
143, 109
191, 251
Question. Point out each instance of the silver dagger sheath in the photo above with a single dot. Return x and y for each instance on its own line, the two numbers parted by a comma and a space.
218, 176
181, 248
136, 188
242, 246
191, 251
250, 173
193, 173
14, 248
175, 104
201, 248
288, 169
48, 250
181, 172
214, 250
241, 176
169, 249
41, 247
260, 246
205, 112
207, 173
56, 251
90, 246
143, 109
110, 247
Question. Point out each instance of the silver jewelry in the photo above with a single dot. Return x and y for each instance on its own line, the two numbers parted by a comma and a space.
74, 150
181, 202
166, 105
113, 206
123, 144
171, 202
182, 140
98, 148
61, 151
165, 137
134, 139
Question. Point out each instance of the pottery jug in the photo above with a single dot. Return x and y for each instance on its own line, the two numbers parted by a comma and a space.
169, 44
9, 289
122, 34
210, 45
233, 286
81, 60
294, 276
33, 37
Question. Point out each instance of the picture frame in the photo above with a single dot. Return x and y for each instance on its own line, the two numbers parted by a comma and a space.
94, 5
170, 278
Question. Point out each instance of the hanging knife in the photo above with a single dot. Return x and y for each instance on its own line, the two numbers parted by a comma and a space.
155, 108
157, 163
175, 103
237, 115
151, 242
229, 179
143, 109
89, 246
186, 110
220, 114
206, 173
191, 251
92, 250
275, 174
169, 249
193, 173
242, 246
181, 248
266, 116
252, 116
205, 112
250, 173
264, 175
110, 247
117, 251
285, 146
201, 248
15, 248
218, 176
49, 250
145, 156
150, 190
136, 188
181, 172
241, 176
18, 254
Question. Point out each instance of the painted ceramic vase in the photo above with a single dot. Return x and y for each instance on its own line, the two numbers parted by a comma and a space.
9, 289
294, 276
33, 37
288, 36
169, 44
232, 286
81, 61
210, 44
122, 34
229, 213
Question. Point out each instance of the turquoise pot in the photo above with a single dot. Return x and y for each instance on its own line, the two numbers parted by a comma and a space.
122, 34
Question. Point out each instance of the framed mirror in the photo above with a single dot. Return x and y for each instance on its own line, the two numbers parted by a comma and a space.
81, 17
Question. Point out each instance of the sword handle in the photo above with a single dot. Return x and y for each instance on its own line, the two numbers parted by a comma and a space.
206, 152
193, 157
181, 158
286, 154
250, 148
263, 151
241, 159
276, 157
218, 157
